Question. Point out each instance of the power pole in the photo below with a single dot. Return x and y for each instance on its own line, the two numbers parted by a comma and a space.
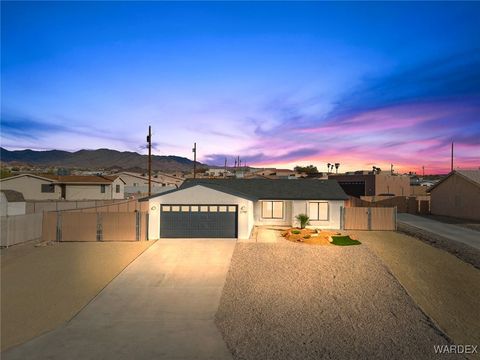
149, 141
225, 168
451, 160
391, 169
194, 160
423, 170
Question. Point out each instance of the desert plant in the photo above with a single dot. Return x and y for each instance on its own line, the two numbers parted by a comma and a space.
307, 236
303, 219
296, 232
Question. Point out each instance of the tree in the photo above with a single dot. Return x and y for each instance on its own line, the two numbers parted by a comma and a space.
337, 165
303, 219
310, 169
328, 167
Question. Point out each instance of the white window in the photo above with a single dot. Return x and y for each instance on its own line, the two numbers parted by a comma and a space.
166, 208
213, 208
185, 208
232, 208
194, 208
272, 209
204, 208
318, 210
175, 208
222, 209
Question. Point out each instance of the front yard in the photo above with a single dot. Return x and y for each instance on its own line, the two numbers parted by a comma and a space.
289, 300
43, 287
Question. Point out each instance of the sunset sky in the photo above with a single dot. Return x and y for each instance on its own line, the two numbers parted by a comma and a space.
278, 84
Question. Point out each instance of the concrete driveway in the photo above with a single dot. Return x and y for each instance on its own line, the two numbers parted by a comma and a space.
449, 231
162, 306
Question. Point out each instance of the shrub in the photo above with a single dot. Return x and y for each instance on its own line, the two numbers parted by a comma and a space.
303, 219
307, 236
296, 232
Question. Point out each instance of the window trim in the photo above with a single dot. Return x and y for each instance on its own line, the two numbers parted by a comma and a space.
318, 210
272, 217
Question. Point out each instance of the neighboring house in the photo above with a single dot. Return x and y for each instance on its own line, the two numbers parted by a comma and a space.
364, 183
72, 187
216, 208
219, 172
137, 184
457, 195
12, 203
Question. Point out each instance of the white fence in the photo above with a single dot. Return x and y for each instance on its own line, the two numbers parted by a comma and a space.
20, 228
49, 205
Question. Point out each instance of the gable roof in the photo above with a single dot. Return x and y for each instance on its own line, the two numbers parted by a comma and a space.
69, 179
472, 176
40, 177
281, 189
145, 178
13, 196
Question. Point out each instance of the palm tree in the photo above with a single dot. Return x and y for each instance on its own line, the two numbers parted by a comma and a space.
328, 167
337, 165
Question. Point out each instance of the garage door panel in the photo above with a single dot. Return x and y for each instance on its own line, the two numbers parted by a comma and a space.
198, 224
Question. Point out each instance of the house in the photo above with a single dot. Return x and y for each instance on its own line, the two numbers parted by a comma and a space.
137, 184
457, 195
71, 187
12, 203
229, 208
368, 183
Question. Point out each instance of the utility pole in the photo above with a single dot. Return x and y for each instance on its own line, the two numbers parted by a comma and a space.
391, 169
451, 160
225, 168
423, 170
194, 160
149, 141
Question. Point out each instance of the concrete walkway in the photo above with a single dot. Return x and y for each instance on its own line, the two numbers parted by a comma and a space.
162, 306
449, 231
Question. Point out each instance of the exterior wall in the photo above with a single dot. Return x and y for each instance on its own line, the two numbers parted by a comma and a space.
121, 194
456, 197
287, 214
201, 195
30, 187
16, 208
88, 192
369, 181
142, 190
334, 214
388, 184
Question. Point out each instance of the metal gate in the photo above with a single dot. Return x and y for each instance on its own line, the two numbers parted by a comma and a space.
198, 221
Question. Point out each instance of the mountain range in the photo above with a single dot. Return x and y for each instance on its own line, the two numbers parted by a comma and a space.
97, 159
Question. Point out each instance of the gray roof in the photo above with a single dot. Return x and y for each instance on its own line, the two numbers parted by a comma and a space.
277, 189
13, 196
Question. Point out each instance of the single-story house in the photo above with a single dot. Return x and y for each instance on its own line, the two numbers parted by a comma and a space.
457, 195
71, 187
12, 203
229, 208
137, 184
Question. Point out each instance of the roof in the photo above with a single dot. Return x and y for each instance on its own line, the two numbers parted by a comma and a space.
472, 176
70, 179
156, 180
13, 196
281, 189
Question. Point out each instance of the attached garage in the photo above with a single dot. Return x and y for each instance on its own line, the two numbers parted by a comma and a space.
198, 221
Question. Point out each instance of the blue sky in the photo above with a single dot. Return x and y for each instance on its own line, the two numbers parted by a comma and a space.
277, 83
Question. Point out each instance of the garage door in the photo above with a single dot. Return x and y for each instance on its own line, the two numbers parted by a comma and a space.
198, 221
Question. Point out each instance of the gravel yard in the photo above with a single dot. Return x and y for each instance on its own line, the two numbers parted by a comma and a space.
296, 301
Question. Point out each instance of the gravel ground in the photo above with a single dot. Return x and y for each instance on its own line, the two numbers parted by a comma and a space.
462, 251
296, 301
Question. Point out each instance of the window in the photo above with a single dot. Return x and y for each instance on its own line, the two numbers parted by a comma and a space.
165, 208
117, 188
318, 210
232, 208
213, 208
185, 208
48, 188
102, 188
272, 209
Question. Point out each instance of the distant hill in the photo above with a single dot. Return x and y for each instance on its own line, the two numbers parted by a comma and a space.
96, 159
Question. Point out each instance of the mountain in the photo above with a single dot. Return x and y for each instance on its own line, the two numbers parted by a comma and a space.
96, 159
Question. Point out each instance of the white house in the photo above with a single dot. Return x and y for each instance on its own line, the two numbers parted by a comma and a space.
136, 184
12, 203
71, 187
229, 208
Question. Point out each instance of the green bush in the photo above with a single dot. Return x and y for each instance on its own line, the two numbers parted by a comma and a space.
303, 219
296, 232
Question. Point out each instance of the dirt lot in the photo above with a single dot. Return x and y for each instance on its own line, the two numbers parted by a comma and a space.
445, 287
42, 287
296, 301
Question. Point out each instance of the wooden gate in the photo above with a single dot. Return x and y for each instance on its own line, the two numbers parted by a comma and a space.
366, 218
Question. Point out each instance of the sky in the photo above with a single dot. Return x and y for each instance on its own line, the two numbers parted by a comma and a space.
277, 83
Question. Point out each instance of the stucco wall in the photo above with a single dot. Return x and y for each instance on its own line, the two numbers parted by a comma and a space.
88, 192
201, 195
287, 214
388, 184
333, 222
30, 187
456, 197
121, 194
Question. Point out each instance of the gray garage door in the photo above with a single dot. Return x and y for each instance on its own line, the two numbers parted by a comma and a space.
198, 221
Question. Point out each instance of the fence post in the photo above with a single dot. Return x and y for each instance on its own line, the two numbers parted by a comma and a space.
395, 217
99, 227
342, 218
369, 213
58, 236
137, 225
147, 224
